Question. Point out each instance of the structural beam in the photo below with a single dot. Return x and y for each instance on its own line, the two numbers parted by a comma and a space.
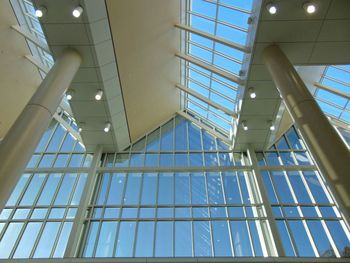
26, 34
204, 99
210, 68
332, 90
214, 38
328, 149
21, 140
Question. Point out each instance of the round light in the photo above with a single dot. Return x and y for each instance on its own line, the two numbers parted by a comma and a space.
99, 95
271, 8
80, 129
252, 93
77, 11
310, 8
272, 128
271, 125
107, 127
244, 125
40, 11
69, 94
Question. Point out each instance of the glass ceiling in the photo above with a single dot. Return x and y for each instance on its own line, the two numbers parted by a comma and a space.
335, 105
226, 19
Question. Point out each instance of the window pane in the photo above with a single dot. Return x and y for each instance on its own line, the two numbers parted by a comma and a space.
182, 188
339, 236
116, 189
79, 189
145, 236
63, 240
126, 239
90, 243
47, 240
18, 189
26, 244
33, 189
166, 188
9, 238
106, 239
240, 239
49, 189
199, 193
300, 236
132, 191
215, 193
221, 238
320, 238
202, 239
164, 239
66, 188
183, 239
149, 189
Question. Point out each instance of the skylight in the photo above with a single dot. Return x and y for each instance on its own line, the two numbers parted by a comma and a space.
224, 20
334, 93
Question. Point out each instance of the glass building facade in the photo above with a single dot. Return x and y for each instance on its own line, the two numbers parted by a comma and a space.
180, 191
177, 192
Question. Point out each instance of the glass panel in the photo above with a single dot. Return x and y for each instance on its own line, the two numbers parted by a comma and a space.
164, 239
300, 236
47, 240
145, 236
182, 188
63, 240
66, 188
116, 189
202, 239
9, 238
132, 191
166, 188
26, 244
149, 189
240, 239
106, 239
126, 239
183, 239
221, 239
33, 189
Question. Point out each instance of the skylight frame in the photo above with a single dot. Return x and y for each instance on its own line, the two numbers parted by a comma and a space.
324, 102
218, 55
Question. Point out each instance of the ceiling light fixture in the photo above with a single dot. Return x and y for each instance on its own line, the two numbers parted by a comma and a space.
81, 125
309, 7
99, 94
41, 11
252, 93
69, 94
271, 125
271, 8
107, 127
244, 125
77, 11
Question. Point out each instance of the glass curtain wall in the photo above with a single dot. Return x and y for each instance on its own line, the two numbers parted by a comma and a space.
177, 192
38, 217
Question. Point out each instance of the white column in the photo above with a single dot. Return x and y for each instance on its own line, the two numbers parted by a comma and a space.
21, 140
329, 151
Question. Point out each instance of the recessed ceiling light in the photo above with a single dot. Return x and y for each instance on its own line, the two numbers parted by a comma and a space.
81, 125
40, 12
107, 127
99, 94
77, 11
271, 126
252, 93
309, 7
244, 125
69, 94
271, 8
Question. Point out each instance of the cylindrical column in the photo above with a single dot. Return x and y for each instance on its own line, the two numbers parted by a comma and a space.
22, 138
329, 151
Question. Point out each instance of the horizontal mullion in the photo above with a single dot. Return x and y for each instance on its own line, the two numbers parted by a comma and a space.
210, 68
206, 100
211, 90
213, 78
215, 52
337, 80
218, 21
229, 6
332, 90
341, 108
208, 110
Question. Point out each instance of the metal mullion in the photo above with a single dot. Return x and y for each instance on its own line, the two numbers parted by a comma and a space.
214, 51
215, 79
210, 89
216, 21
227, 213
155, 217
208, 110
337, 80
330, 238
330, 103
138, 213
229, 6
341, 68
15, 245
114, 251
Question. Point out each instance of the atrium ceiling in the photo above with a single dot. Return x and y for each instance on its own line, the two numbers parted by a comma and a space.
155, 58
